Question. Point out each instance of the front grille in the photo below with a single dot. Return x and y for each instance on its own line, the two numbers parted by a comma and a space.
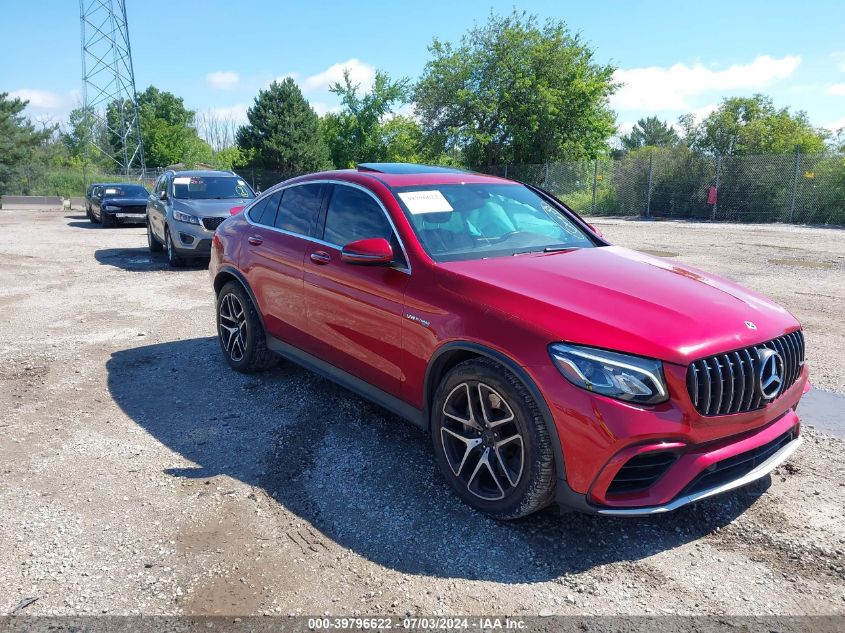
641, 471
133, 209
739, 465
212, 223
727, 383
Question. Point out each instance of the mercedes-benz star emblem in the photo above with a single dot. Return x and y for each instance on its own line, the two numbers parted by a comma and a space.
770, 373
750, 325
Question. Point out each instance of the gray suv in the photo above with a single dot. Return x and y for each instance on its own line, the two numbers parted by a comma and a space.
186, 207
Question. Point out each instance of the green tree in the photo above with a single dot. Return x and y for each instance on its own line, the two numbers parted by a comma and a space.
283, 132
357, 133
650, 132
18, 140
168, 130
743, 126
514, 90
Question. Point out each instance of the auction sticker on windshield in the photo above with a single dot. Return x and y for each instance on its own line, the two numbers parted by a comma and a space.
425, 202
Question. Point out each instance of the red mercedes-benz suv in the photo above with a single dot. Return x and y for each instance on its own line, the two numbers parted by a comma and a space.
547, 364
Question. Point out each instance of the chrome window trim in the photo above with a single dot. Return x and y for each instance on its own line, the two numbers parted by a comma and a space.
327, 181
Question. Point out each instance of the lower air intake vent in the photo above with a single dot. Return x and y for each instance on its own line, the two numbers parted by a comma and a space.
641, 471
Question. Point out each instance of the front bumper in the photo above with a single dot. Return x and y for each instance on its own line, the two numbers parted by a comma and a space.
758, 472
601, 440
127, 216
191, 240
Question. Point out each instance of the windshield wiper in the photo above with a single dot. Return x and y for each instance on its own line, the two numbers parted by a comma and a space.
547, 249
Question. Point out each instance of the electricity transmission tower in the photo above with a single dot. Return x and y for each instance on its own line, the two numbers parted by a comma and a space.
108, 83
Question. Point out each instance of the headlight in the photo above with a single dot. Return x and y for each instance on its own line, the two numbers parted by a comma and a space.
621, 376
110, 207
185, 217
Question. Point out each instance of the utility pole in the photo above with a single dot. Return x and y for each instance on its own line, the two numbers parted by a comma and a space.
108, 83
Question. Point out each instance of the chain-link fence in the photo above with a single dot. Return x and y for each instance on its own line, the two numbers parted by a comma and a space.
652, 182
679, 183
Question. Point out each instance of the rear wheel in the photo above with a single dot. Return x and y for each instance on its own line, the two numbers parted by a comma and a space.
172, 256
491, 441
152, 240
240, 332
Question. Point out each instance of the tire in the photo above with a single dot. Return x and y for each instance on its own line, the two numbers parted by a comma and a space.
152, 241
498, 458
246, 348
92, 217
108, 221
172, 256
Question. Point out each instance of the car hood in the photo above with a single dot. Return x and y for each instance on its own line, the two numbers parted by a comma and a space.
209, 208
125, 202
615, 298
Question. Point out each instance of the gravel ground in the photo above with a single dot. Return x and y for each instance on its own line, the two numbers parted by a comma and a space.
141, 476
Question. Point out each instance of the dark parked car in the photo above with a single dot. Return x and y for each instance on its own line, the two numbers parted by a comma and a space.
187, 206
91, 198
546, 363
118, 203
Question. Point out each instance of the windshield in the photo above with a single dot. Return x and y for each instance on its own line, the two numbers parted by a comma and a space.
210, 187
125, 191
474, 221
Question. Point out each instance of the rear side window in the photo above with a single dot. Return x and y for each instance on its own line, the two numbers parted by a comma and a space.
354, 215
299, 207
264, 211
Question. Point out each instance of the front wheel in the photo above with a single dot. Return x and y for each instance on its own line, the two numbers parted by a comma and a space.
152, 241
240, 332
491, 441
172, 257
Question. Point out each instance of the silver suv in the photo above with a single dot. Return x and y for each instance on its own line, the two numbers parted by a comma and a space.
186, 207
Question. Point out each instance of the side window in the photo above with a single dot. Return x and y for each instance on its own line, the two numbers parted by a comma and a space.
354, 215
257, 209
300, 205
264, 212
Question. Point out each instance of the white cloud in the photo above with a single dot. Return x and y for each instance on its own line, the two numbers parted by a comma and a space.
836, 89
837, 125
625, 128
294, 75
235, 113
42, 99
359, 73
657, 88
703, 112
223, 79
323, 108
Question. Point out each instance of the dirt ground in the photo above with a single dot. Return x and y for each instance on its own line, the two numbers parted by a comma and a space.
141, 476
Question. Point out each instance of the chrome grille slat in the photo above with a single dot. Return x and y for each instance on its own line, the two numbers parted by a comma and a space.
793, 357
728, 395
720, 387
693, 388
749, 381
795, 360
706, 388
727, 383
740, 391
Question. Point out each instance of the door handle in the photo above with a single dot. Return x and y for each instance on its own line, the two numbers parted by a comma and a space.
254, 240
321, 257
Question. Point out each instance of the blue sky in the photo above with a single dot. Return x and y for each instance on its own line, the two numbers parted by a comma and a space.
674, 57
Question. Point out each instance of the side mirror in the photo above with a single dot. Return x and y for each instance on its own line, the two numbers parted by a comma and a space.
162, 195
371, 251
595, 230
